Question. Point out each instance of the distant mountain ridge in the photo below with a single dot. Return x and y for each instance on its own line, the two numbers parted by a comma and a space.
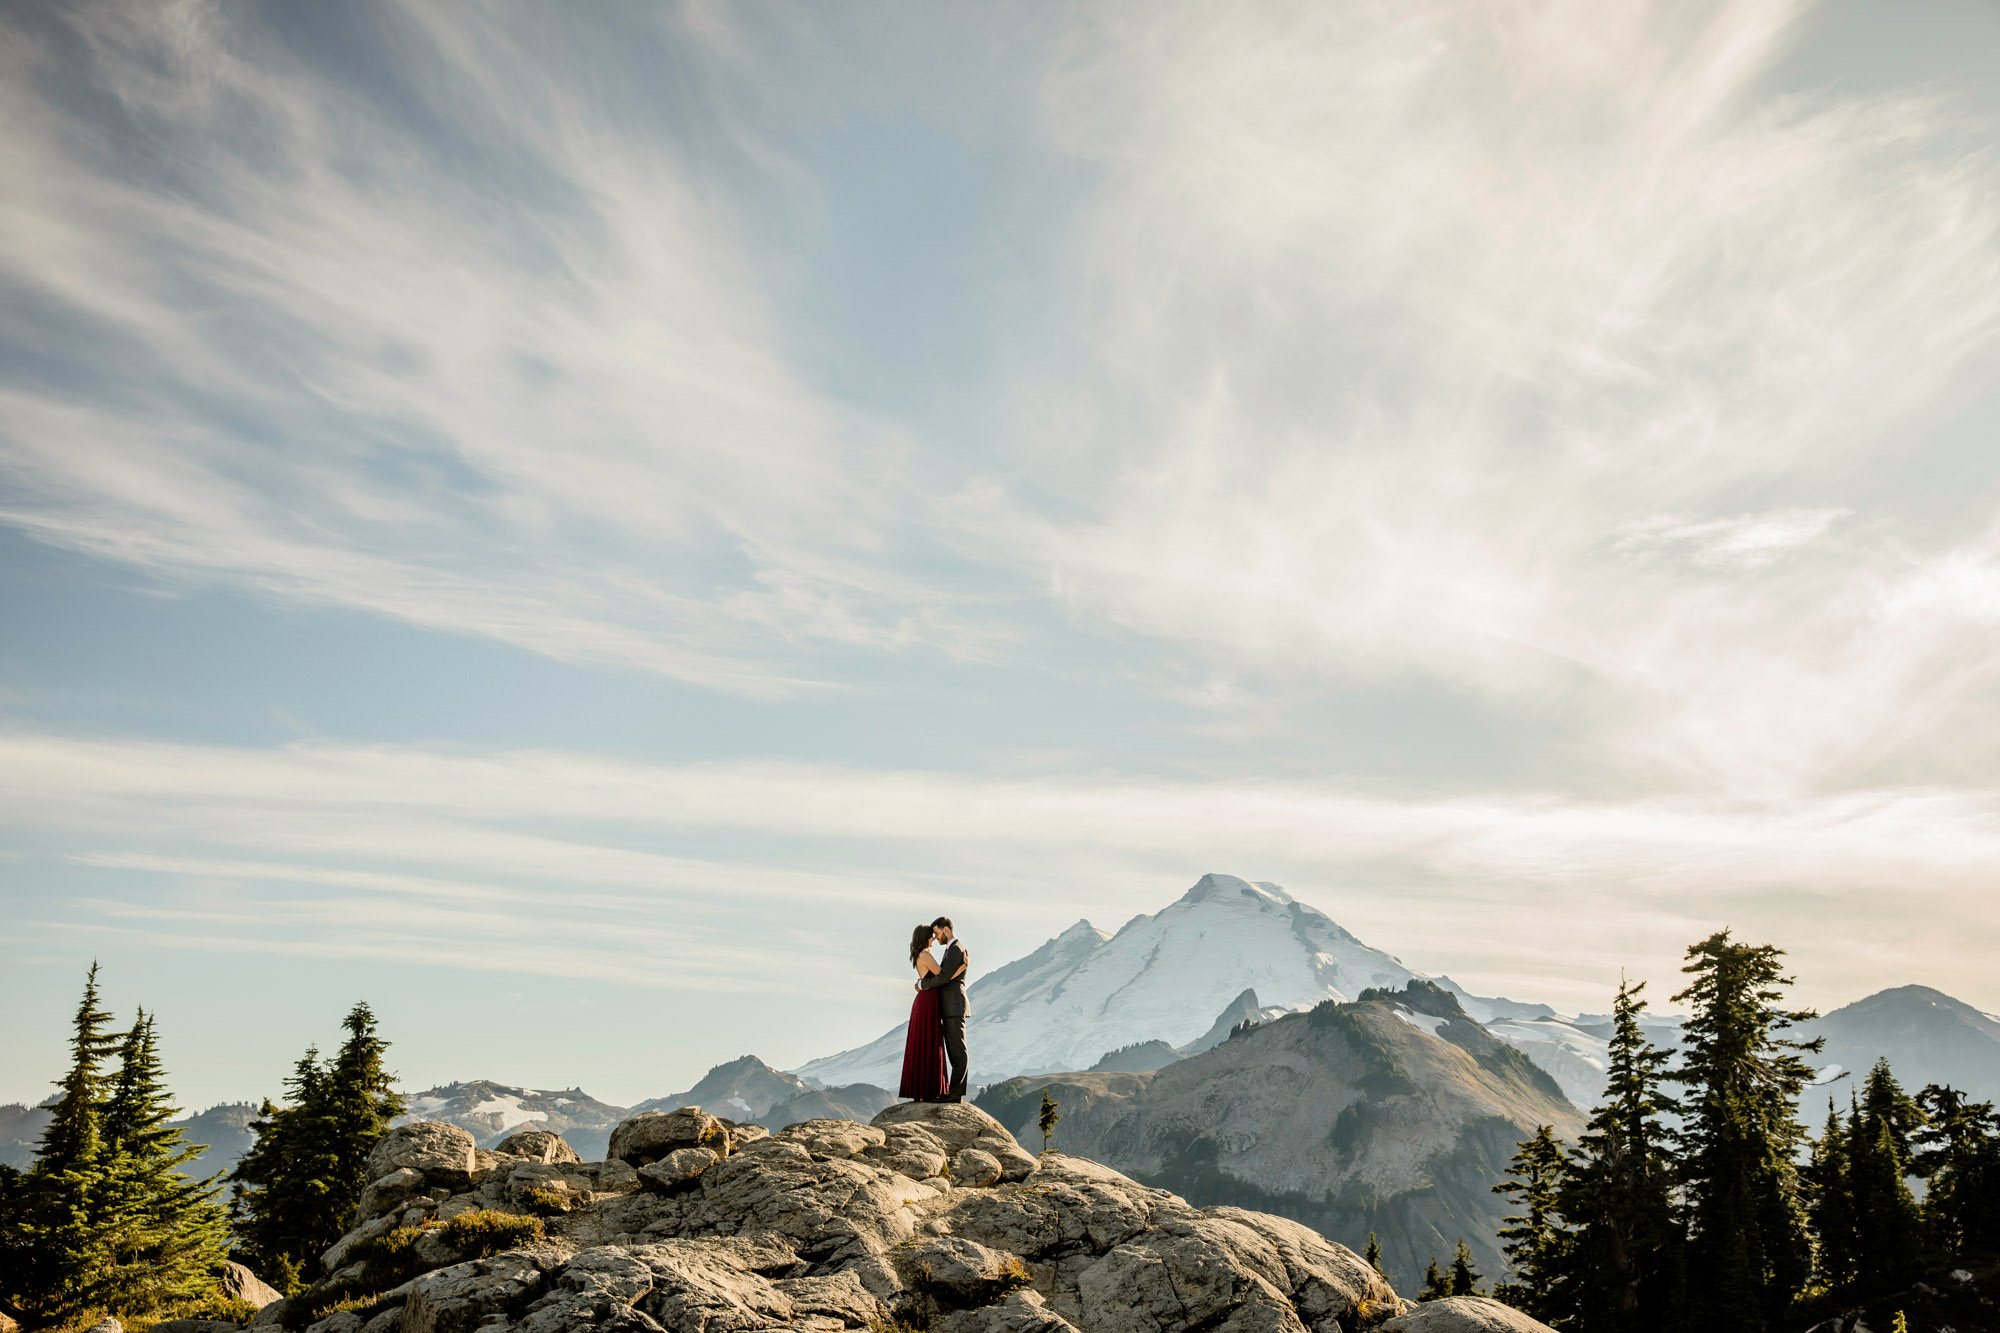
1395, 1112
491, 1111
1928, 1036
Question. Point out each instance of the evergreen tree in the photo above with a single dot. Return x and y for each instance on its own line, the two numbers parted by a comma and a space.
1374, 1254
296, 1184
60, 1238
1957, 1153
165, 1236
1534, 1241
1435, 1287
1464, 1277
1888, 1229
1620, 1267
1749, 1237
74, 1137
13, 1234
1883, 1099
1046, 1121
1830, 1202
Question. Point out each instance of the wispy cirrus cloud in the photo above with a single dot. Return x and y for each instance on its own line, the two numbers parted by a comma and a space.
444, 334
1407, 314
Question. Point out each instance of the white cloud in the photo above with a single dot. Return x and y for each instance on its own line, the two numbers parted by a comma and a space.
359, 848
1408, 314
1743, 542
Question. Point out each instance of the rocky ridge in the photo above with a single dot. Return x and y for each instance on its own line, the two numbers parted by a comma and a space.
931, 1217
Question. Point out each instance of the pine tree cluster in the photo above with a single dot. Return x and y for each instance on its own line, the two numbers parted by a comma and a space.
105, 1220
1694, 1210
296, 1185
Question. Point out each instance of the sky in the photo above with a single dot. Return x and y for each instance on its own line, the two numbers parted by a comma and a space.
578, 526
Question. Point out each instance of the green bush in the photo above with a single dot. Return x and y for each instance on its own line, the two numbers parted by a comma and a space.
488, 1231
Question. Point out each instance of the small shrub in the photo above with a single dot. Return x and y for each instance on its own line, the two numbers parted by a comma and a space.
544, 1201
388, 1260
487, 1231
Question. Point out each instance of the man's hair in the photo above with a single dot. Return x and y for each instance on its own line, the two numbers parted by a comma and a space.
944, 921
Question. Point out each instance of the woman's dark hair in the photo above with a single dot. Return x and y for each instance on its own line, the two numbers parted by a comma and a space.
920, 940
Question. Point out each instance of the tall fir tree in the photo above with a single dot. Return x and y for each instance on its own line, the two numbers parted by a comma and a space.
1888, 1227
1830, 1203
296, 1184
1957, 1154
1621, 1267
165, 1236
1535, 1241
61, 1236
1435, 1287
1374, 1253
1749, 1236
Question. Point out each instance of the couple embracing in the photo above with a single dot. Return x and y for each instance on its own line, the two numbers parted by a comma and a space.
937, 1018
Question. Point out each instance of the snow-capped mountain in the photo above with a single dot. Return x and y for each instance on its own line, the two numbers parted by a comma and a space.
492, 1111
1165, 977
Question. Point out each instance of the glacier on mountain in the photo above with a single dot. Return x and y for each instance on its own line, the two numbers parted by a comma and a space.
1162, 977
1229, 951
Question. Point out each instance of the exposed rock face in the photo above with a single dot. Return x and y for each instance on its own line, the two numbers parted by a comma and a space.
431, 1149
651, 1135
830, 1225
539, 1145
246, 1286
1463, 1314
1394, 1114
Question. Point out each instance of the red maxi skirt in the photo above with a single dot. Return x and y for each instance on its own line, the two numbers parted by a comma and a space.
923, 1050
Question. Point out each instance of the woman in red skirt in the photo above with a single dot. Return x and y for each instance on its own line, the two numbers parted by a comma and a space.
923, 1049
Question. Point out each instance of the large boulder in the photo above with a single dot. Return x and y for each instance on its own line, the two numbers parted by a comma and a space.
1464, 1314
909, 1150
651, 1135
1189, 1273
460, 1298
1023, 1312
537, 1145
678, 1170
246, 1286
961, 1125
390, 1193
442, 1153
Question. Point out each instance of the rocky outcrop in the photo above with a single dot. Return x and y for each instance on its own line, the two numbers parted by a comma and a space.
1463, 1314
239, 1283
932, 1215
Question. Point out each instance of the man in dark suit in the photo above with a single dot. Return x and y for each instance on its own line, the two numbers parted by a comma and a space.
949, 980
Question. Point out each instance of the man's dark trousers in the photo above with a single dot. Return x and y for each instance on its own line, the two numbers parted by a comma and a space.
949, 983
954, 1050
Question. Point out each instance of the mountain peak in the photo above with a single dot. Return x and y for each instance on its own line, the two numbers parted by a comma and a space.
1223, 888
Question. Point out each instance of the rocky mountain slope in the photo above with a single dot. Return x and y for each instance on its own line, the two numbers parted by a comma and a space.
21, 1129
1395, 1114
1928, 1036
491, 1111
930, 1217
